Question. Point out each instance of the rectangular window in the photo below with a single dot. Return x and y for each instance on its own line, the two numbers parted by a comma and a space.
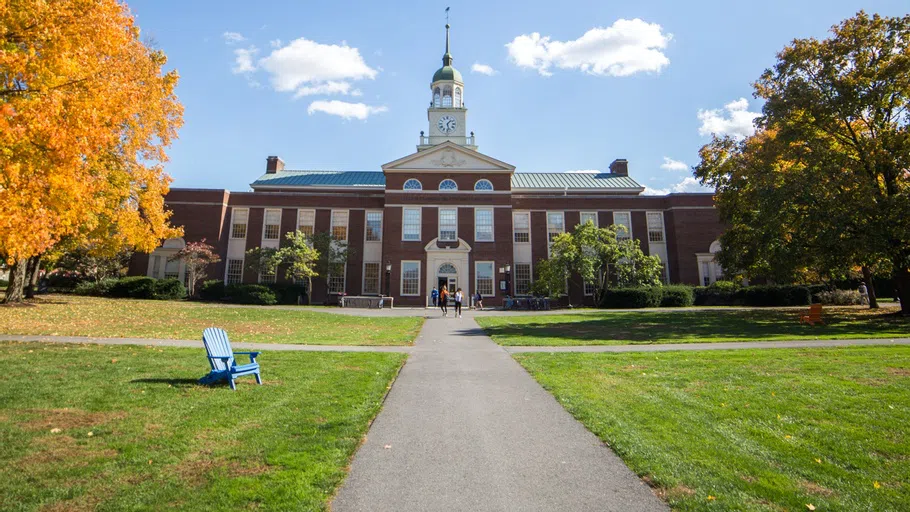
238, 223
266, 278
589, 288
234, 272
374, 227
306, 222
336, 282
483, 278
623, 219
172, 269
655, 226
371, 278
156, 266
521, 227
410, 224
483, 225
448, 224
410, 278
522, 278
589, 217
555, 225
340, 225
272, 225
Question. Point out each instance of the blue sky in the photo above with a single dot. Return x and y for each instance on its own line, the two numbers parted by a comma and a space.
345, 85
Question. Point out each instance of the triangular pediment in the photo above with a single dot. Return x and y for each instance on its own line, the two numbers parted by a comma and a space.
449, 157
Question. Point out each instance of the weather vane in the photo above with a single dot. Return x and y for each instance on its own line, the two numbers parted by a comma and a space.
447, 15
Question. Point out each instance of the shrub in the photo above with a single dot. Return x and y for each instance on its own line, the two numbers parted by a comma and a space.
723, 295
250, 294
63, 281
142, 287
100, 288
212, 289
168, 289
677, 296
840, 297
641, 297
288, 293
770, 295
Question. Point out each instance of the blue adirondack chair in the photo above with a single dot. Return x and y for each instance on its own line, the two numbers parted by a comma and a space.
221, 357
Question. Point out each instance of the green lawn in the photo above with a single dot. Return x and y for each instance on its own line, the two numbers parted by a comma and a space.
91, 316
86, 427
752, 430
708, 325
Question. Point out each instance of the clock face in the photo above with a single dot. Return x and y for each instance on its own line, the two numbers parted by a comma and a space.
446, 124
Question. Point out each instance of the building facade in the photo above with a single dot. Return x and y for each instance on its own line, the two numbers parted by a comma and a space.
445, 215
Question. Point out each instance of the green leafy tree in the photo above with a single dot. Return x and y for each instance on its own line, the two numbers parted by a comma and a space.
298, 257
263, 260
549, 280
825, 183
332, 255
196, 258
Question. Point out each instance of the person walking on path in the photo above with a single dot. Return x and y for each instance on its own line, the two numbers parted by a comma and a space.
443, 301
459, 296
435, 296
478, 301
863, 293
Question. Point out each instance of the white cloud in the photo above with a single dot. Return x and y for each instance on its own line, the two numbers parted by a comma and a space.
243, 60
734, 120
673, 165
275, 43
622, 49
689, 184
344, 109
306, 67
483, 69
233, 37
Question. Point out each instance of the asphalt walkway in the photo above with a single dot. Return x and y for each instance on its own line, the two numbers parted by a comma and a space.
466, 428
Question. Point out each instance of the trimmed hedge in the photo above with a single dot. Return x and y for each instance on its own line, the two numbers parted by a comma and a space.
626, 298
212, 289
677, 296
136, 287
770, 296
95, 288
840, 297
288, 293
250, 294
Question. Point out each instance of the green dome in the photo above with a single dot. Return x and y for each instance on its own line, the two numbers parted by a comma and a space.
447, 73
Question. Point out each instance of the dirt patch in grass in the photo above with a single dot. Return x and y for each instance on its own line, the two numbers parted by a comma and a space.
676, 492
816, 489
64, 419
899, 372
195, 471
62, 450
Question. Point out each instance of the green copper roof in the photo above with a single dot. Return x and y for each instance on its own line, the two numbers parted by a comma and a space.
447, 73
572, 180
321, 179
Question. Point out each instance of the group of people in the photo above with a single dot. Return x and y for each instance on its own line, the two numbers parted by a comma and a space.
441, 299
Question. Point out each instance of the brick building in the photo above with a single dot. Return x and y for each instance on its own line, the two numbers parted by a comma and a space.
446, 214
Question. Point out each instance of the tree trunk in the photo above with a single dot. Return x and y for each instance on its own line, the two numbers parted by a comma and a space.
870, 287
34, 268
902, 281
16, 282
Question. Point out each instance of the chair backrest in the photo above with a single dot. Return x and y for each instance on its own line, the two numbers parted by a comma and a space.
217, 345
815, 310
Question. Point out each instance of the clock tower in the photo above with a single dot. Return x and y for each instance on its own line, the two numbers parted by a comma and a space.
447, 113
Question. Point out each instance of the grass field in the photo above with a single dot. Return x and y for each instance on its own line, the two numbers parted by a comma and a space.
67, 315
752, 430
618, 327
86, 427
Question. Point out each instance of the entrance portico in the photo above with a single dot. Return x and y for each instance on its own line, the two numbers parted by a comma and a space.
450, 265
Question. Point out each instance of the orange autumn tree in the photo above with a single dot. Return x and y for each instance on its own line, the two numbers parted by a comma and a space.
86, 112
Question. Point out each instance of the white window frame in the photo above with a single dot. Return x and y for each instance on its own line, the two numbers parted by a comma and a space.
347, 224
448, 180
439, 231
227, 271
549, 231
581, 217
404, 186
363, 283
300, 213
492, 278
366, 226
268, 278
265, 225
401, 279
246, 222
585, 286
515, 230
515, 278
344, 282
483, 180
492, 225
404, 225
627, 235
663, 231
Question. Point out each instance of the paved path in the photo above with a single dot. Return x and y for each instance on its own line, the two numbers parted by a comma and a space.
466, 428
666, 347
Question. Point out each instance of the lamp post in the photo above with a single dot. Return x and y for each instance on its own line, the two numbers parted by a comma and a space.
388, 278
508, 280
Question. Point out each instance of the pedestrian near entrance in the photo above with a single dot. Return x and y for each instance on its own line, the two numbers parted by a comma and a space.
863, 293
443, 301
435, 296
459, 296
478, 301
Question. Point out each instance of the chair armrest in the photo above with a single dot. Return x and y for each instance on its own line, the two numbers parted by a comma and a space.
253, 355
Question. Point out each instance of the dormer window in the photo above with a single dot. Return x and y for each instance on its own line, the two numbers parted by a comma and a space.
437, 101
448, 185
412, 184
483, 186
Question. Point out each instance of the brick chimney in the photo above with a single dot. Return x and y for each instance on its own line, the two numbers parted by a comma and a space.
273, 164
620, 167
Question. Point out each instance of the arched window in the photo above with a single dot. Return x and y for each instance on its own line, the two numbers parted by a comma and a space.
436, 101
447, 97
483, 186
715, 247
447, 268
412, 184
448, 185
458, 97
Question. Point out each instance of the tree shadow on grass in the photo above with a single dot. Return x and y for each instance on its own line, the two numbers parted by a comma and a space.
694, 326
